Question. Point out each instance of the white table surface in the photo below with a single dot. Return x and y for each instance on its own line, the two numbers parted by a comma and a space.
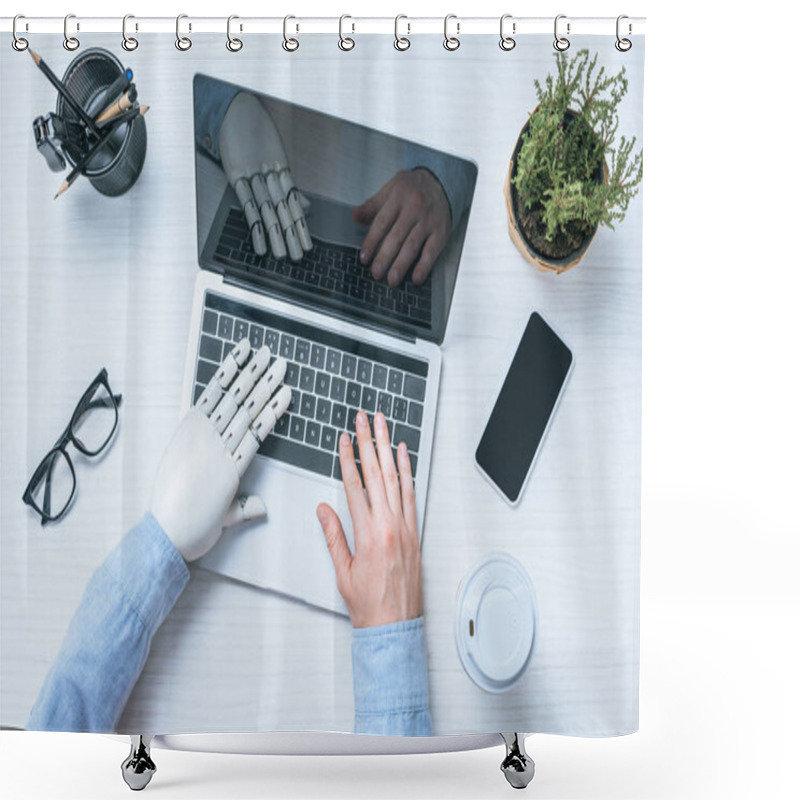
87, 281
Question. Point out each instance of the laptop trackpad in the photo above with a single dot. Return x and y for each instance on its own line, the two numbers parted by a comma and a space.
332, 221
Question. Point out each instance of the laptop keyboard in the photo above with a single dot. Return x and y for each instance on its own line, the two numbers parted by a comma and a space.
328, 269
331, 376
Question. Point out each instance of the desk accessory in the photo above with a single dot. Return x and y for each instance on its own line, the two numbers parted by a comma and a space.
269, 662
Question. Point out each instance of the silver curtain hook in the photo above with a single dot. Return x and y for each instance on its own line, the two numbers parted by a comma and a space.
507, 42
345, 42
623, 45
128, 42
401, 42
18, 42
451, 42
183, 43
289, 44
70, 42
233, 44
561, 43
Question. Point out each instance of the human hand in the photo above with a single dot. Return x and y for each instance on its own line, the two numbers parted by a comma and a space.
194, 488
256, 166
381, 582
409, 221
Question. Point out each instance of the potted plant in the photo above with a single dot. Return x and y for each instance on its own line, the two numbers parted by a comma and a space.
568, 173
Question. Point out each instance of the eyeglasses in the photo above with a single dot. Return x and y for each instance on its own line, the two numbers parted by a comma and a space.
94, 420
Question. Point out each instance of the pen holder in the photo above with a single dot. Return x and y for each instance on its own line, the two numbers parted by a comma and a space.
116, 166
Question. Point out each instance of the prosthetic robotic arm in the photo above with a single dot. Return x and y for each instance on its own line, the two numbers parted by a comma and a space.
255, 163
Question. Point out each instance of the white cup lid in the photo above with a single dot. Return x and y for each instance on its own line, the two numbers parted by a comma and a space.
495, 622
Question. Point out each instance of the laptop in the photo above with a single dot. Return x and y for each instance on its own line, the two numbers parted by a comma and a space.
350, 342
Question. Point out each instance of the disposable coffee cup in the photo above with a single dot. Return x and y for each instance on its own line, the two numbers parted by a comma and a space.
495, 624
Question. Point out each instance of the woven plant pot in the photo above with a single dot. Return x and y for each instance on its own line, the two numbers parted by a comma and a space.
515, 231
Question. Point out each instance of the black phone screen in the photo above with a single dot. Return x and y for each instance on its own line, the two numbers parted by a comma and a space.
524, 406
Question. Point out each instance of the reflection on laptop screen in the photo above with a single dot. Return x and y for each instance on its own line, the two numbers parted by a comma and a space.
336, 165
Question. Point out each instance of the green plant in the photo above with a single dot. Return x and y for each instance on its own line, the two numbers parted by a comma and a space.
565, 150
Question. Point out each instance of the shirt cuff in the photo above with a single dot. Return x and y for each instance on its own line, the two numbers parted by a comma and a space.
390, 676
149, 571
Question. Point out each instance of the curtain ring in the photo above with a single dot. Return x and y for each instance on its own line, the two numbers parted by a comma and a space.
289, 44
561, 43
507, 42
183, 43
18, 42
623, 45
233, 44
128, 42
70, 42
345, 42
451, 42
401, 42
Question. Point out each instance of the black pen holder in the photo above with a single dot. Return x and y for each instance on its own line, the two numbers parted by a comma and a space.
116, 166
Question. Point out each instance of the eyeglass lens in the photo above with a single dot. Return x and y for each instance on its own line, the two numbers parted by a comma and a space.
94, 420
55, 485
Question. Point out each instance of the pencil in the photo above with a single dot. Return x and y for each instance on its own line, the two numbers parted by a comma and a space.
64, 92
112, 126
123, 104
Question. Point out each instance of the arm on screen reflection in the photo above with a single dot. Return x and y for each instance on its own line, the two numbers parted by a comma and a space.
381, 584
133, 590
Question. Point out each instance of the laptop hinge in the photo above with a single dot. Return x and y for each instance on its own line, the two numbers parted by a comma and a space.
250, 286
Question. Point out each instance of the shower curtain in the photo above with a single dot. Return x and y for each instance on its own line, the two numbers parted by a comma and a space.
518, 437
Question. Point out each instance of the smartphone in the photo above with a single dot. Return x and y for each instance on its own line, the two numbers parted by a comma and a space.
524, 408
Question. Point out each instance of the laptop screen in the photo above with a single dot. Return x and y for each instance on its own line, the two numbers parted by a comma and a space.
319, 210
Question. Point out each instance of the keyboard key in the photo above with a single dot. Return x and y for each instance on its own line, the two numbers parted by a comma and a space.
369, 399
205, 371
273, 340
323, 384
287, 347
333, 361
302, 351
414, 414
349, 367
225, 326
313, 430
364, 372
307, 379
297, 428
351, 420
294, 403
323, 410
317, 356
210, 321
299, 455
226, 348
411, 436
379, 376
282, 425
256, 336
395, 381
211, 349
399, 409
338, 388
328, 439
240, 330
339, 416
353, 395
308, 405
414, 388
198, 390
292, 376
385, 404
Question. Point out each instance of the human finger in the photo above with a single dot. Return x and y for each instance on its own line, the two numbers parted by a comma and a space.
337, 545
407, 488
223, 377
370, 468
366, 212
242, 387
391, 245
353, 487
380, 226
256, 433
248, 202
388, 468
409, 251
430, 252
254, 404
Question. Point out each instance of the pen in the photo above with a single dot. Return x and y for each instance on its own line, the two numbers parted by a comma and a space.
63, 91
123, 104
121, 119
113, 90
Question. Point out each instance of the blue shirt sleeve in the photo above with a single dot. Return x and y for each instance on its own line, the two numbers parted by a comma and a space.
390, 679
108, 639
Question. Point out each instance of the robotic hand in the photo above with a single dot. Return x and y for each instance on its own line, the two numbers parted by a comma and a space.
194, 493
256, 165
